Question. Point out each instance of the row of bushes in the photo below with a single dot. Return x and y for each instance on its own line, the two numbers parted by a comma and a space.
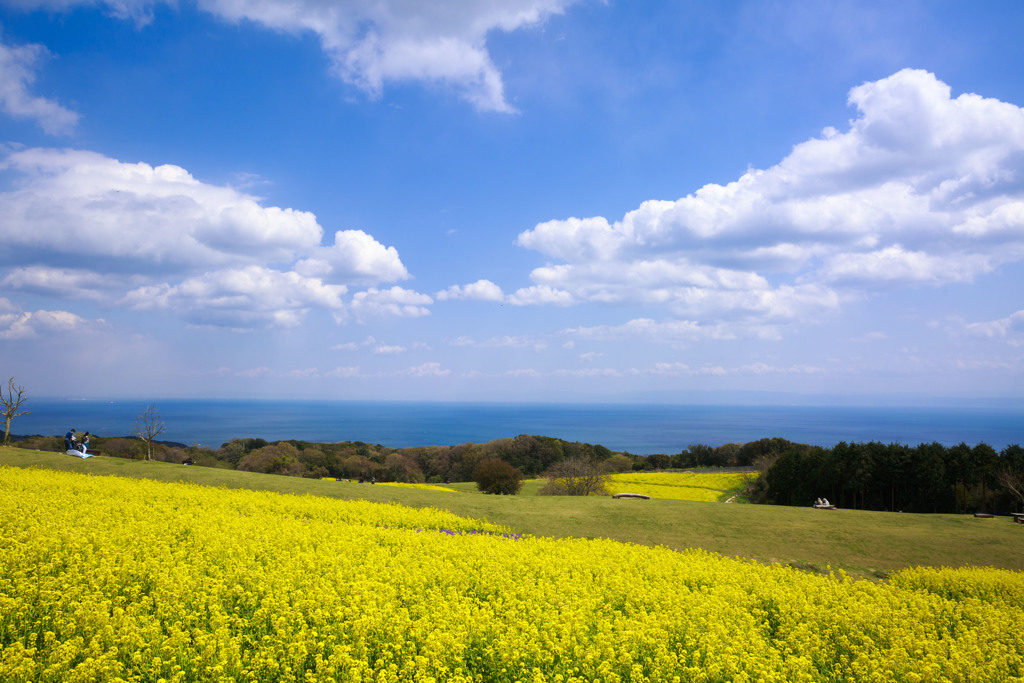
531, 456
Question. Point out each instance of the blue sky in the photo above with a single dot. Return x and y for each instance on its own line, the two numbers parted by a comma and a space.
528, 200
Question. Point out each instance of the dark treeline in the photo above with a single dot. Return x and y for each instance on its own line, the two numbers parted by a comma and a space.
737, 455
869, 476
531, 455
897, 477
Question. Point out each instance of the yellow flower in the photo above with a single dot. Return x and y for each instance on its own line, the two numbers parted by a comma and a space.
108, 579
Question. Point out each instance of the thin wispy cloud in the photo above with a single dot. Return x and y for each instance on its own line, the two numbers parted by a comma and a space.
370, 44
18, 67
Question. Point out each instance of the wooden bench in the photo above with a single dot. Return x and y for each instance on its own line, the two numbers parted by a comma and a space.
1018, 517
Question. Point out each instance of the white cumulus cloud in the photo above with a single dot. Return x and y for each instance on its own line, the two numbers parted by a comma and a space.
396, 301
923, 188
79, 225
354, 256
84, 205
64, 283
481, 290
31, 324
540, 294
247, 297
897, 264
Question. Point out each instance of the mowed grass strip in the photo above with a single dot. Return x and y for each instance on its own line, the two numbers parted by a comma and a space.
867, 544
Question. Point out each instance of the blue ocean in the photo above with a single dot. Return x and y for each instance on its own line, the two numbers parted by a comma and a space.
639, 429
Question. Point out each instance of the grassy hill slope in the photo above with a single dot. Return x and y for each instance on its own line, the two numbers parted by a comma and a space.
861, 543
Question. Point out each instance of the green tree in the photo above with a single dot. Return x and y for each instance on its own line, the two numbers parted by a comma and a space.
928, 486
277, 458
618, 462
493, 475
400, 468
11, 401
960, 467
891, 474
357, 467
727, 455
526, 453
984, 460
464, 457
1010, 472
701, 455
786, 481
658, 461
762, 449
860, 470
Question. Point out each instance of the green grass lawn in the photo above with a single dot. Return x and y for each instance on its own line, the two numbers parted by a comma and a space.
868, 544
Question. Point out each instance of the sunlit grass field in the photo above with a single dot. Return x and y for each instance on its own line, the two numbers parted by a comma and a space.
862, 543
111, 578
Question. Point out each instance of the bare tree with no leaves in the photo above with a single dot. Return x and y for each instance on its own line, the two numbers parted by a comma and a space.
148, 426
574, 477
1013, 481
12, 400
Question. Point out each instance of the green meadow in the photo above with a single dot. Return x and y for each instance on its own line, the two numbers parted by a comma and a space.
861, 543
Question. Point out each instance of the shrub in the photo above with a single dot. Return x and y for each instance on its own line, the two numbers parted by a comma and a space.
42, 443
497, 476
120, 447
618, 463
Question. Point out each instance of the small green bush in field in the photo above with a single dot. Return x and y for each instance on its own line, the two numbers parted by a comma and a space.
497, 476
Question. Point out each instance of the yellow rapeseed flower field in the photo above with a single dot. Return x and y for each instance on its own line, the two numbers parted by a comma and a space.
425, 487
111, 579
698, 486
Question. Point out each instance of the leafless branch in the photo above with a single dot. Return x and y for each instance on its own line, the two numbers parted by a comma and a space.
148, 426
1013, 481
11, 401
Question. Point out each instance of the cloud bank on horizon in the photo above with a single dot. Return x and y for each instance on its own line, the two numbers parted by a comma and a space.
882, 254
